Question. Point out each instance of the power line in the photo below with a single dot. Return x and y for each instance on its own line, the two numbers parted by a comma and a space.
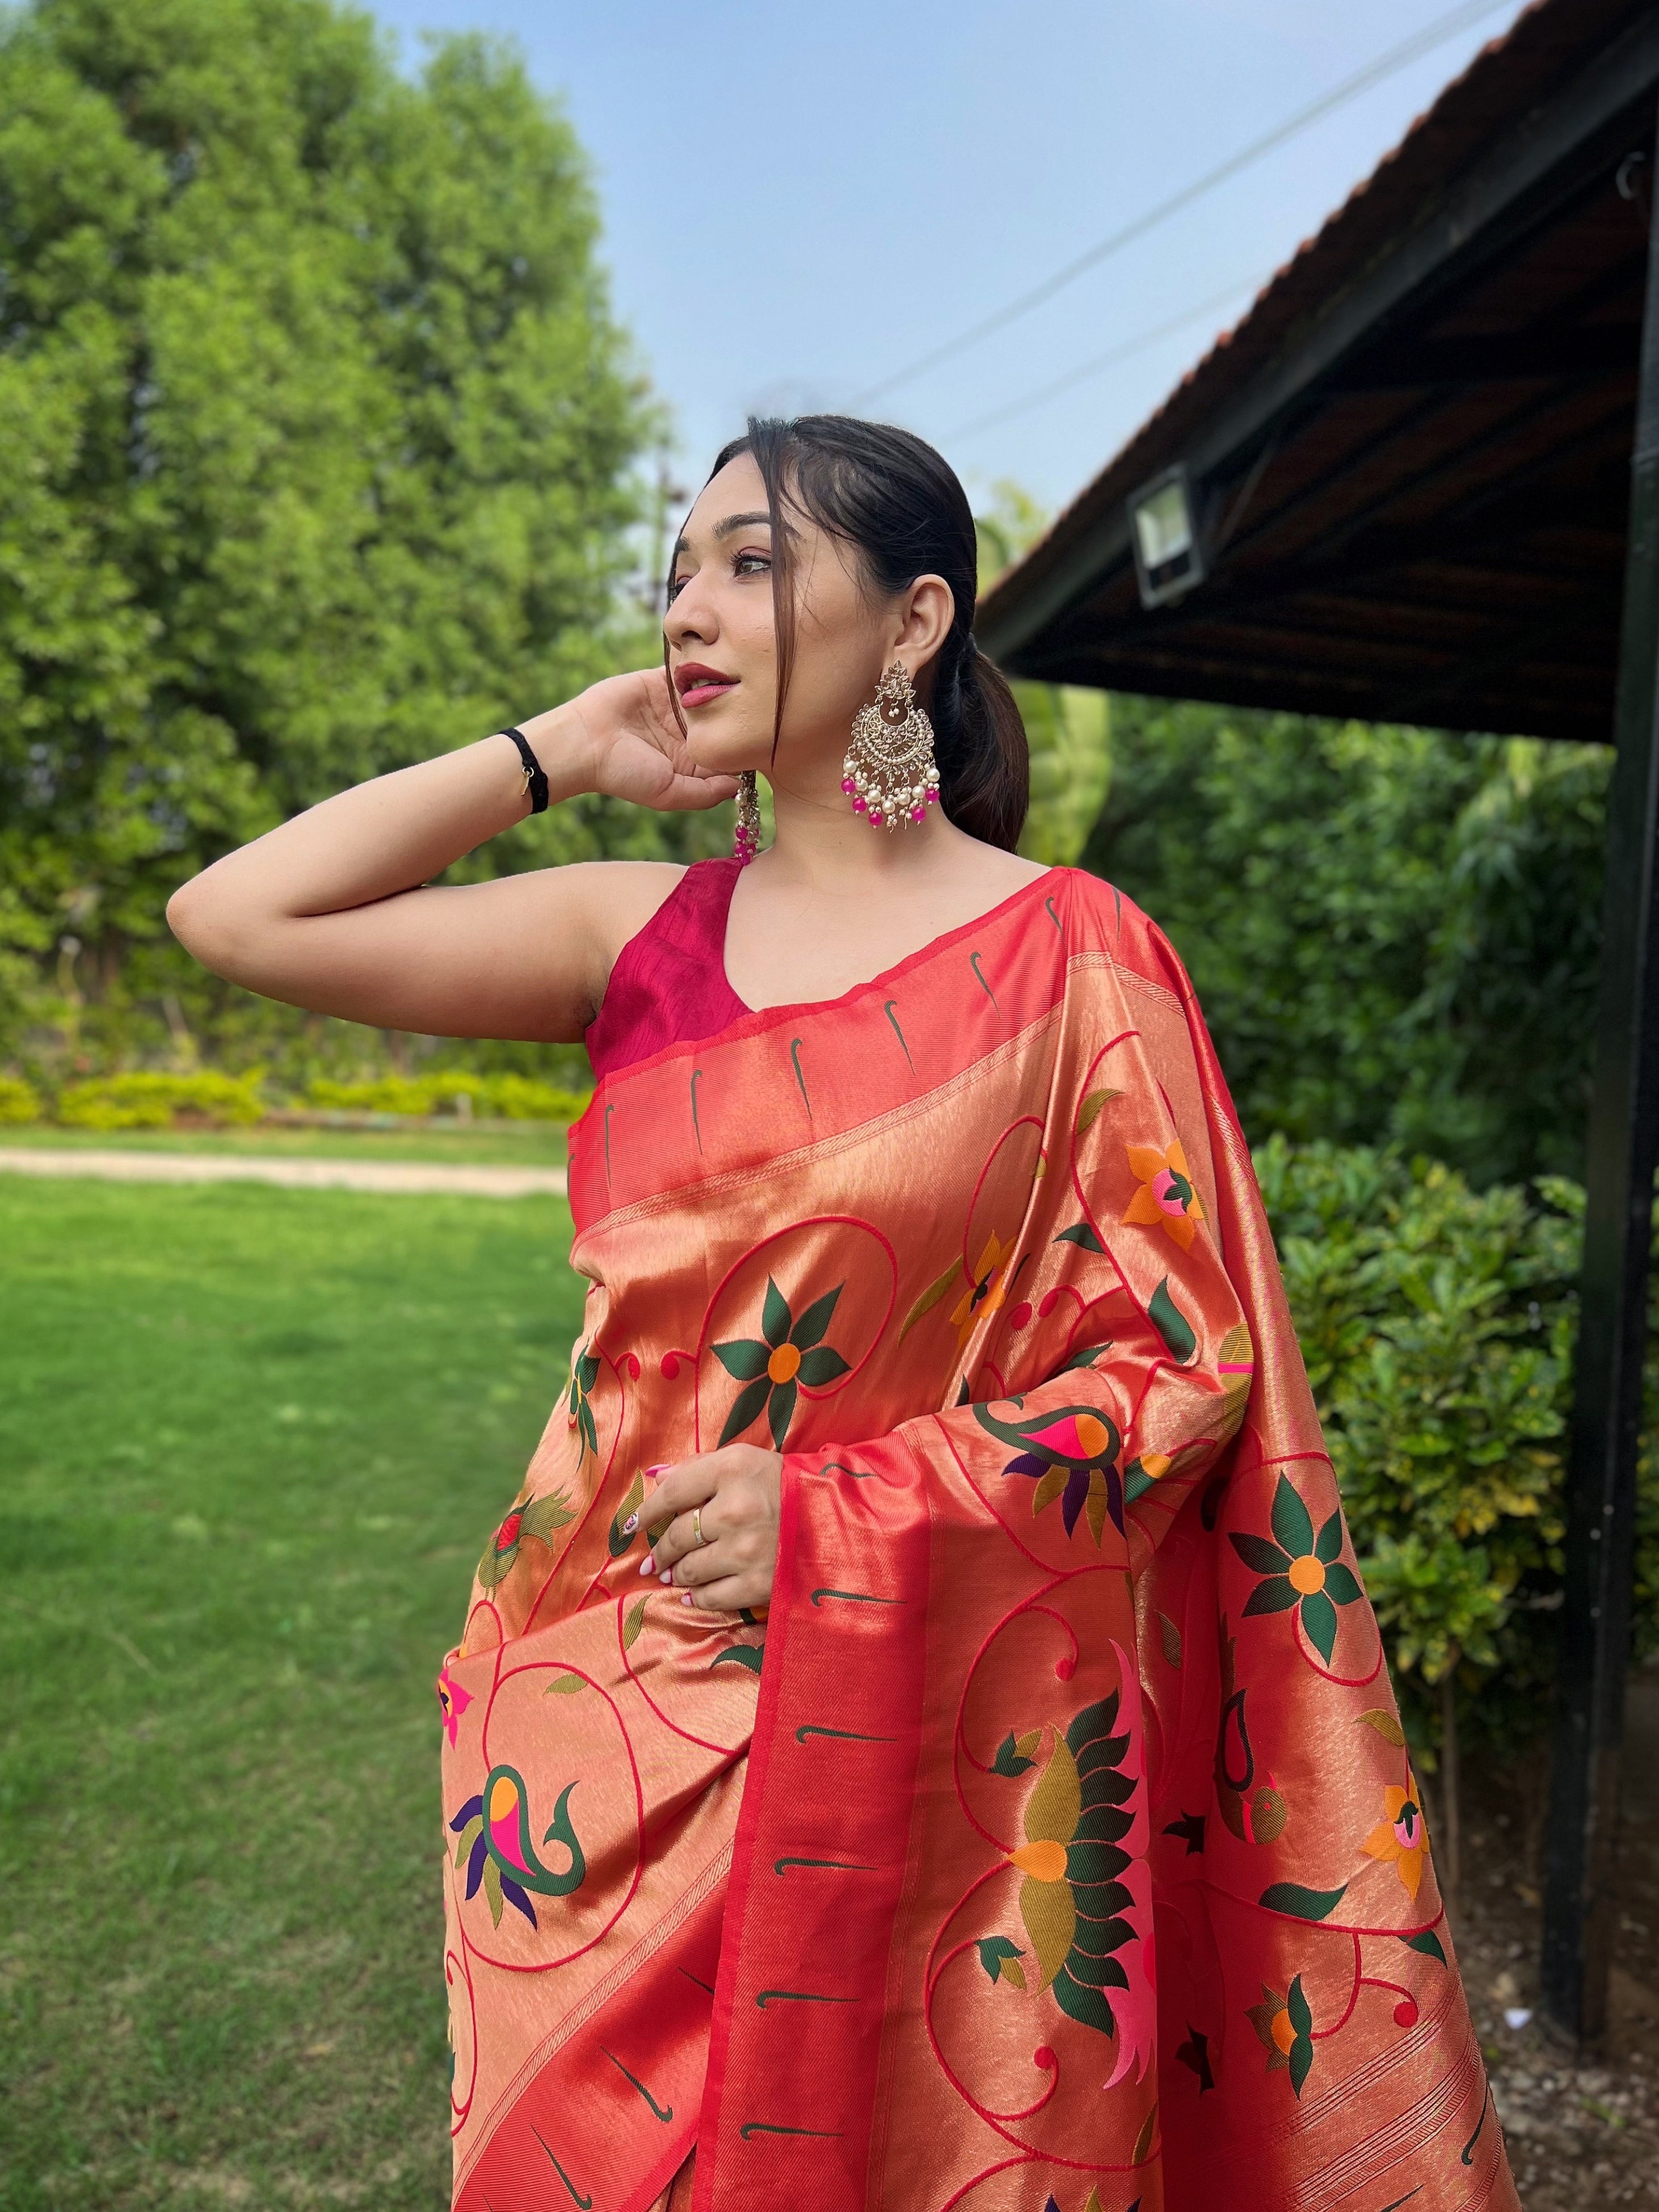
1385, 66
1109, 360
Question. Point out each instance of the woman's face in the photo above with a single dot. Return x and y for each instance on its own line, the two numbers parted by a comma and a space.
722, 651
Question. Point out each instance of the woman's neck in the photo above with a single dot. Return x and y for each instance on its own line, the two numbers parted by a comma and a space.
823, 845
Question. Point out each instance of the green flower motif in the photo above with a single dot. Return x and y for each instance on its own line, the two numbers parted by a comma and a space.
1073, 1901
1302, 1569
584, 1374
790, 1354
1283, 2026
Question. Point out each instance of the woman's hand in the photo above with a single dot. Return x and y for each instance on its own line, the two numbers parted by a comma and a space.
735, 1495
634, 746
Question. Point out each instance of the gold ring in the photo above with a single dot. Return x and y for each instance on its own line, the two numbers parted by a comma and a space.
697, 1536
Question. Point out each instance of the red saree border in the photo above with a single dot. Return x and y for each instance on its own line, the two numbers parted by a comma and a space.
802, 2131
600, 2103
683, 1927
779, 1614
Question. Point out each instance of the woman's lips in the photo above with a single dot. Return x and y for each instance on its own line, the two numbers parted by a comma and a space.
697, 684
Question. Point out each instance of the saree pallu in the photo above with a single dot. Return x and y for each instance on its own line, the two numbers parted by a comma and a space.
1051, 1845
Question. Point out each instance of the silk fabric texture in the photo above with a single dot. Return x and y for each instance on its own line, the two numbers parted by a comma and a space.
1051, 1845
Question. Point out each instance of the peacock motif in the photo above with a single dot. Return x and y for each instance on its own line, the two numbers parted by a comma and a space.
495, 1844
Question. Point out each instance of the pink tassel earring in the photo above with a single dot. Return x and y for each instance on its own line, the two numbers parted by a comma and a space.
746, 842
890, 773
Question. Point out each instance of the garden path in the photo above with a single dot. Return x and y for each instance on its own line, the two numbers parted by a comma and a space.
392, 1176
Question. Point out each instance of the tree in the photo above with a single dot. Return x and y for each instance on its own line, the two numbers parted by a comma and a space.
1395, 933
318, 442
1069, 730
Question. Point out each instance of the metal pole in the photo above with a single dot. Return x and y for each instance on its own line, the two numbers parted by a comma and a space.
1579, 1917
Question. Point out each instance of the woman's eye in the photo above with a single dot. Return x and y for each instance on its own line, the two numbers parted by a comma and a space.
676, 586
752, 564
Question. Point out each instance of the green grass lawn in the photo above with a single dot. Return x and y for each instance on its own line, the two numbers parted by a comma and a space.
535, 1144
250, 1442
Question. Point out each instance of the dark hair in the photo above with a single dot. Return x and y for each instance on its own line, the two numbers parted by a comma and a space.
902, 506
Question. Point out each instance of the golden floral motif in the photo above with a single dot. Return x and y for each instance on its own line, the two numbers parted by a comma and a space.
1166, 1199
1399, 1837
985, 1292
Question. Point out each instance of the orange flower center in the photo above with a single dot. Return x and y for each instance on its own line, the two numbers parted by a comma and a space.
1045, 1859
1306, 1575
1283, 2033
782, 1365
1091, 1435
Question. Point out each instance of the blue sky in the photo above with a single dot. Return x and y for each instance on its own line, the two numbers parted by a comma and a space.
799, 201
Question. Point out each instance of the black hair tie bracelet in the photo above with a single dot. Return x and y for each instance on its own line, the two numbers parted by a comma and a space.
535, 776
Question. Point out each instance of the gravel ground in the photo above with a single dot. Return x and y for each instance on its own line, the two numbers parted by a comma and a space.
1581, 2133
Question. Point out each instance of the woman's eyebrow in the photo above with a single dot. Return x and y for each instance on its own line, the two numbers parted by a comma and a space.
733, 522
741, 522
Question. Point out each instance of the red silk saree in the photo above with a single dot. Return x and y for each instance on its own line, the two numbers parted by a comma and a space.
1051, 1843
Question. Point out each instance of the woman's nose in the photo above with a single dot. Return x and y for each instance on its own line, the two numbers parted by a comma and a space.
690, 617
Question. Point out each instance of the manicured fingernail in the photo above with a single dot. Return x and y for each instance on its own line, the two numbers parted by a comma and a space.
660, 1467
648, 1564
669, 1576
630, 1524
686, 1600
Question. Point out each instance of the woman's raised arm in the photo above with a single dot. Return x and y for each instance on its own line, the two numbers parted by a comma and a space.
334, 910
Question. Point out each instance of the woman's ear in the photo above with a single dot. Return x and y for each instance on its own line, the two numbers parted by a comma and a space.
924, 614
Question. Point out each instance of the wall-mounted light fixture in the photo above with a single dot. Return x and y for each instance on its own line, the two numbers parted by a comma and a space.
1169, 559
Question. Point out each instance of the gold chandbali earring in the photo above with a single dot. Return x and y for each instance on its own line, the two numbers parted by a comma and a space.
890, 773
747, 843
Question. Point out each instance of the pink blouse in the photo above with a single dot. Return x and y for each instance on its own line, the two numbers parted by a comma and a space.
668, 986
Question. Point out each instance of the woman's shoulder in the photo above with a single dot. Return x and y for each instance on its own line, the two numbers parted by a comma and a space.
650, 904
1105, 916
624, 897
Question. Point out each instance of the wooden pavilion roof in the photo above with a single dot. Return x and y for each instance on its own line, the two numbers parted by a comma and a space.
1413, 455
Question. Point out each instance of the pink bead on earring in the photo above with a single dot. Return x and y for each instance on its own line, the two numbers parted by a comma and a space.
746, 842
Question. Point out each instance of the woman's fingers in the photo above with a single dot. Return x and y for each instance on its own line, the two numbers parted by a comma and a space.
676, 1546
677, 1534
692, 792
712, 1522
689, 1489
692, 1482
700, 1564
731, 1593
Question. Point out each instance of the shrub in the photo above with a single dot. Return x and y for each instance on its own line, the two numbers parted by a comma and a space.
387, 1094
142, 1101
506, 1097
521, 1098
19, 1101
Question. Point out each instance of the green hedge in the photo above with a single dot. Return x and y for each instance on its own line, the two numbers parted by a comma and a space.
506, 1097
20, 1102
1438, 1325
155, 1102
146, 1100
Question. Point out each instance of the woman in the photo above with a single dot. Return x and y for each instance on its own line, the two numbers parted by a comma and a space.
932, 1595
